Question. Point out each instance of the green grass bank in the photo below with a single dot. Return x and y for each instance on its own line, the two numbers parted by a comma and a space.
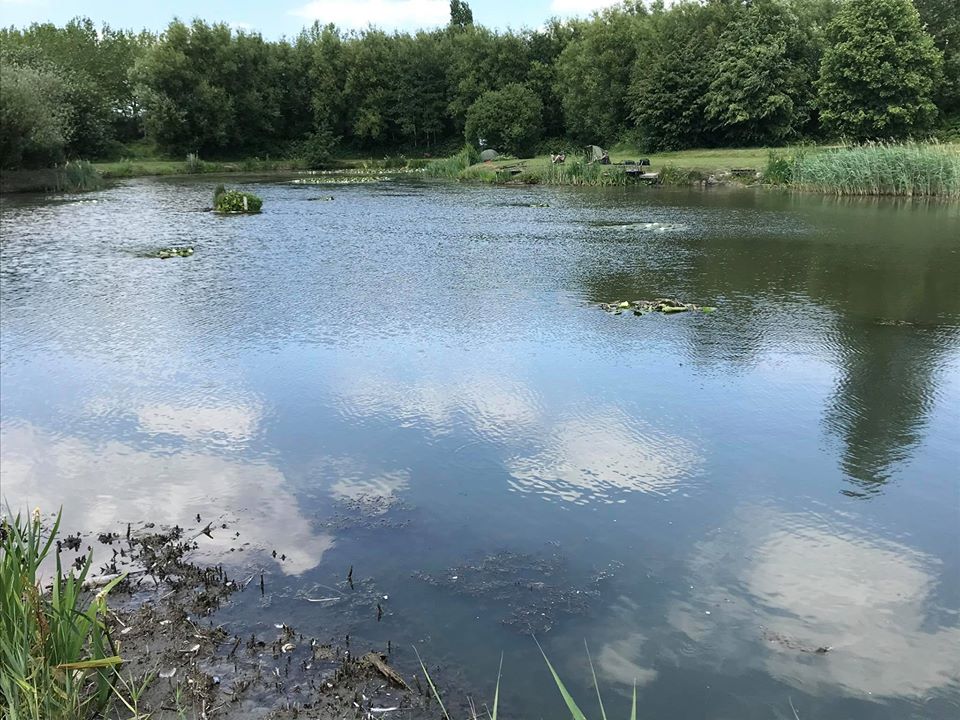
909, 169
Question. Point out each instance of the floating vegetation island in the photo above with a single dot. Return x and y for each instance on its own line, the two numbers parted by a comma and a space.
171, 252
235, 201
662, 305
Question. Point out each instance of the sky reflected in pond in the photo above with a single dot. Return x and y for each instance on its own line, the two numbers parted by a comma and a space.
417, 377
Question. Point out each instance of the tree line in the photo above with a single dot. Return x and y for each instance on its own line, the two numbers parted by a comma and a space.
706, 73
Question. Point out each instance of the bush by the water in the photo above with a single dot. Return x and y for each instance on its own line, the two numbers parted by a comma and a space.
80, 175
57, 661
235, 201
451, 167
911, 169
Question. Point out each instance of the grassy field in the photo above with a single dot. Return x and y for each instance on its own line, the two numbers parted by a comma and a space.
697, 162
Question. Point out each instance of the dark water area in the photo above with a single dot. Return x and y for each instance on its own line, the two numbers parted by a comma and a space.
416, 380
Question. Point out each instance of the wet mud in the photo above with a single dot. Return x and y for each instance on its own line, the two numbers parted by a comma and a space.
180, 662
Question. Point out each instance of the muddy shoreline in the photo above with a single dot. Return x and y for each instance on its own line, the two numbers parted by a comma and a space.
178, 661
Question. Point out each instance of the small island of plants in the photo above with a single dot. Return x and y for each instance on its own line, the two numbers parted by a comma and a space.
235, 201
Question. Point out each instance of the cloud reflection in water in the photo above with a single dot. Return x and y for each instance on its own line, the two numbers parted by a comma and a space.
99, 483
796, 584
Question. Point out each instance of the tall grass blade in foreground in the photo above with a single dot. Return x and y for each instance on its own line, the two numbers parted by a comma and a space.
56, 659
430, 682
436, 694
596, 685
575, 711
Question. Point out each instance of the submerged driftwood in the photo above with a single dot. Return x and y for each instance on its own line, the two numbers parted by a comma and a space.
662, 305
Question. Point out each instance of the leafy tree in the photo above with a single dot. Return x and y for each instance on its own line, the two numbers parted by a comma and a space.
507, 119
479, 60
671, 77
420, 103
878, 75
328, 69
187, 109
761, 87
593, 76
461, 16
33, 117
370, 86
942, 21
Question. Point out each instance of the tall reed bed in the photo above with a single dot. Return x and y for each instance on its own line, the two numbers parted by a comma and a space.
56, 657
910, 169
79, 176
451, 167
578, 171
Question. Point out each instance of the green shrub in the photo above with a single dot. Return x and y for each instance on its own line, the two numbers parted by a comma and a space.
80, 176
780, 166
451, 167
194, 164
235, 201
510, 119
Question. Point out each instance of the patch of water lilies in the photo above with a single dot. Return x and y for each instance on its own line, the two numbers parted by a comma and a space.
661, 305
171, 252
339, 179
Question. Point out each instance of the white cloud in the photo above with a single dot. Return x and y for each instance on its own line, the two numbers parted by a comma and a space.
580, 7
382, 13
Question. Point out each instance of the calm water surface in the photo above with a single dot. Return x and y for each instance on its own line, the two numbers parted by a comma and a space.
416, 376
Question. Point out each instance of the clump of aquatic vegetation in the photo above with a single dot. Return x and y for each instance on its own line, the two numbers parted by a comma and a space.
673, 175
662, 305
451, 167
235, 201
194, 164
575, 712
57, 661
909, 169
79, 176
171, 252
578, 171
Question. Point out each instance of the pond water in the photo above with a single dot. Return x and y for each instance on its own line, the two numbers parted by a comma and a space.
415, 380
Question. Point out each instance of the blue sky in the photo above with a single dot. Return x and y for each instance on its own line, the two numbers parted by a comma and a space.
286, 17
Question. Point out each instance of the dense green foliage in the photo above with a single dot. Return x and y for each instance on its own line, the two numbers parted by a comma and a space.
509, 119
704, 73
235, 201
878, 74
